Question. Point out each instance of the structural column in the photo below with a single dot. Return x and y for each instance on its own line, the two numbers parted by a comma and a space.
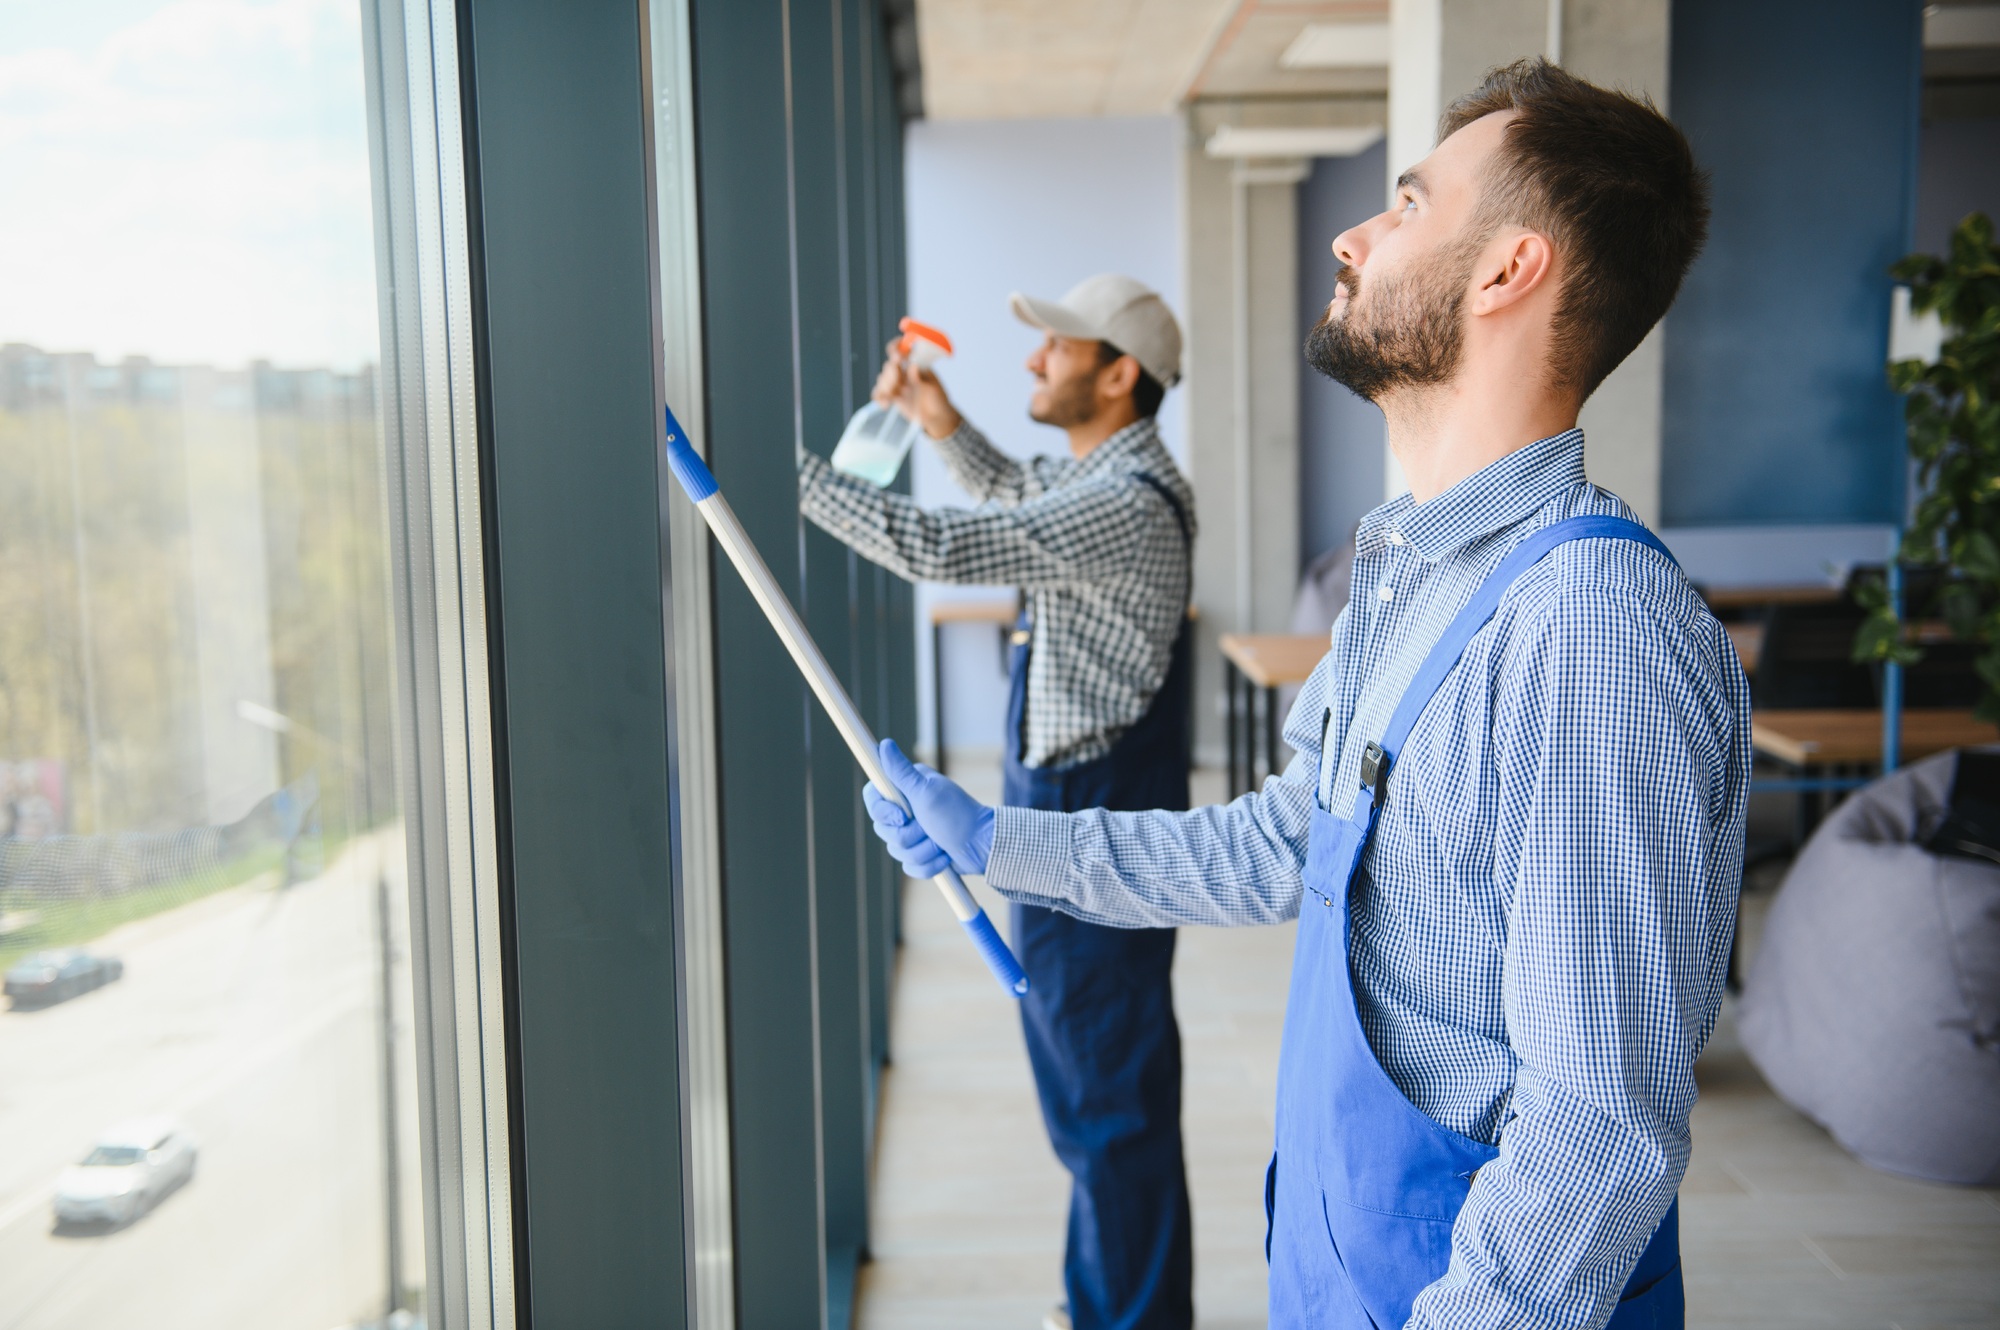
1242, 385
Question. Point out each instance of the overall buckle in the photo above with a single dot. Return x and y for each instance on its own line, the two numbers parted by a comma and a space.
1375, 772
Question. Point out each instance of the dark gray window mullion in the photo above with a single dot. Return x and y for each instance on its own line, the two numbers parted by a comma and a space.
835, 780
859, 348
864, 336
565, 328
741, 126
902, 650
877, 321
856, 378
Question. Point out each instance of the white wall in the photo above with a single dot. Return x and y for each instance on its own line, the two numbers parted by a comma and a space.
1021, 205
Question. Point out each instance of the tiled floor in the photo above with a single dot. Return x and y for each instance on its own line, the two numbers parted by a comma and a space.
1780, 1228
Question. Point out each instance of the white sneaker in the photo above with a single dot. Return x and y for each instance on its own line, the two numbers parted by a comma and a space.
1057, 1318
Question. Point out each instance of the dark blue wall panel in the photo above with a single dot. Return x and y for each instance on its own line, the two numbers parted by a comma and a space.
1776, 407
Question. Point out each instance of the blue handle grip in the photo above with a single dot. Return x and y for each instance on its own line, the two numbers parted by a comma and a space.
686, 463
998, 959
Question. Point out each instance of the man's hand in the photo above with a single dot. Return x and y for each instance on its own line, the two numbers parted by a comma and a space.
950, 827
917, 394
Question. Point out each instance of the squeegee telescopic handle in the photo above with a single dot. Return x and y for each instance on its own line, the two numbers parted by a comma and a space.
729, 533
699, 484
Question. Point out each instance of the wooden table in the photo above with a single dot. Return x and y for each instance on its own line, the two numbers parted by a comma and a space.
1729, 599
1854, 738
1002, 614
1832, 752
1255, 663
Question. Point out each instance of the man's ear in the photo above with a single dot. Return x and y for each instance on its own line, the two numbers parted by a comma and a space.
1118, 378
1513, 267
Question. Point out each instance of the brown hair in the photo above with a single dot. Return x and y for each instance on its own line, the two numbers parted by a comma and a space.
1613, 183
1147, 393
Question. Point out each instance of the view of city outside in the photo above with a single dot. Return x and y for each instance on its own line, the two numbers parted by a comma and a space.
207, 1066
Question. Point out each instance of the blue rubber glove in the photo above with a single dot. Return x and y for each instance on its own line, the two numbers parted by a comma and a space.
951, 828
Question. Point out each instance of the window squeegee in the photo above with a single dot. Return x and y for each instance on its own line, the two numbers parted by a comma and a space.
698, 482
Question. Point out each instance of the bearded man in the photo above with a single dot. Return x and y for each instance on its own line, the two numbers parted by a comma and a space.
1513, 832
1101, 545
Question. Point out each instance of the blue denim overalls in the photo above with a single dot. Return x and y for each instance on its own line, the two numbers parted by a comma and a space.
1363, 1188
1099, 1023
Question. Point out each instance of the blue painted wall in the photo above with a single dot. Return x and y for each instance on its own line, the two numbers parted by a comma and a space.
1340, 435
1776, 407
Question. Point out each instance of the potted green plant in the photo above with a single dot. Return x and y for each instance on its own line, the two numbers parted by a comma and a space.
1952, 406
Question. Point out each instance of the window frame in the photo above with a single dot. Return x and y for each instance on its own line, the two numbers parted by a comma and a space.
446, 769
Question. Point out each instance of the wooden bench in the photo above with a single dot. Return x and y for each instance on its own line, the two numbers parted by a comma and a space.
1257, 664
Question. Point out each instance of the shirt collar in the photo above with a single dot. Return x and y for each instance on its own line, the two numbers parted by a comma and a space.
1498, 495
1125, 443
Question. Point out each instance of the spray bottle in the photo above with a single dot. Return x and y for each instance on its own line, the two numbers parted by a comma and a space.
878, 438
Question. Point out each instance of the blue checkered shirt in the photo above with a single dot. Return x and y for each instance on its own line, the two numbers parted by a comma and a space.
1542, 932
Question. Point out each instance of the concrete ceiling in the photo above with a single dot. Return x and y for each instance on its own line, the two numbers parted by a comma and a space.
998, 59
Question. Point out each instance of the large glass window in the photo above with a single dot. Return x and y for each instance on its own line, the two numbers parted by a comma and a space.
208, 1088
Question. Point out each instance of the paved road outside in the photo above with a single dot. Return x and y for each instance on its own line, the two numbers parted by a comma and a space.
253, 1017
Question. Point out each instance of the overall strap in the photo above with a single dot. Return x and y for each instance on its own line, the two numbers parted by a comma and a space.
1159, 487
1444, 656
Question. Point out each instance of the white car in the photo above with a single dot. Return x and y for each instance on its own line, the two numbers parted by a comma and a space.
132, 1166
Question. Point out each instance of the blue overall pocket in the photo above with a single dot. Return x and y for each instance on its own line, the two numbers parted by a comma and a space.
1335, 847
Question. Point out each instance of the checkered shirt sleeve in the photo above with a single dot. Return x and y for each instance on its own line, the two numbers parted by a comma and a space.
991, 476
1099, 552
1542, 931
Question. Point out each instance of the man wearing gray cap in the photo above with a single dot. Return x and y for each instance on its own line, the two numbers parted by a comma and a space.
1101, 545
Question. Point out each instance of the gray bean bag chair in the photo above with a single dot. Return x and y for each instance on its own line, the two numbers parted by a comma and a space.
1873, 1005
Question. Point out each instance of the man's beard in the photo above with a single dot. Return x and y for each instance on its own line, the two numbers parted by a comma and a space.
1071, 403
1413, 337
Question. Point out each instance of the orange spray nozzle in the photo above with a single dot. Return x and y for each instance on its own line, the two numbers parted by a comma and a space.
921, 344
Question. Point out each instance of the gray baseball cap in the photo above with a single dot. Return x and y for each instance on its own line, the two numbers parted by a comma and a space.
1115, 309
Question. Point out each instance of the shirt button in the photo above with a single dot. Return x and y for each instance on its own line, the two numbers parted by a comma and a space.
1395, 537
1385, 592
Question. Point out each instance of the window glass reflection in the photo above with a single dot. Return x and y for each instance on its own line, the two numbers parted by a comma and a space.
207, 1087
